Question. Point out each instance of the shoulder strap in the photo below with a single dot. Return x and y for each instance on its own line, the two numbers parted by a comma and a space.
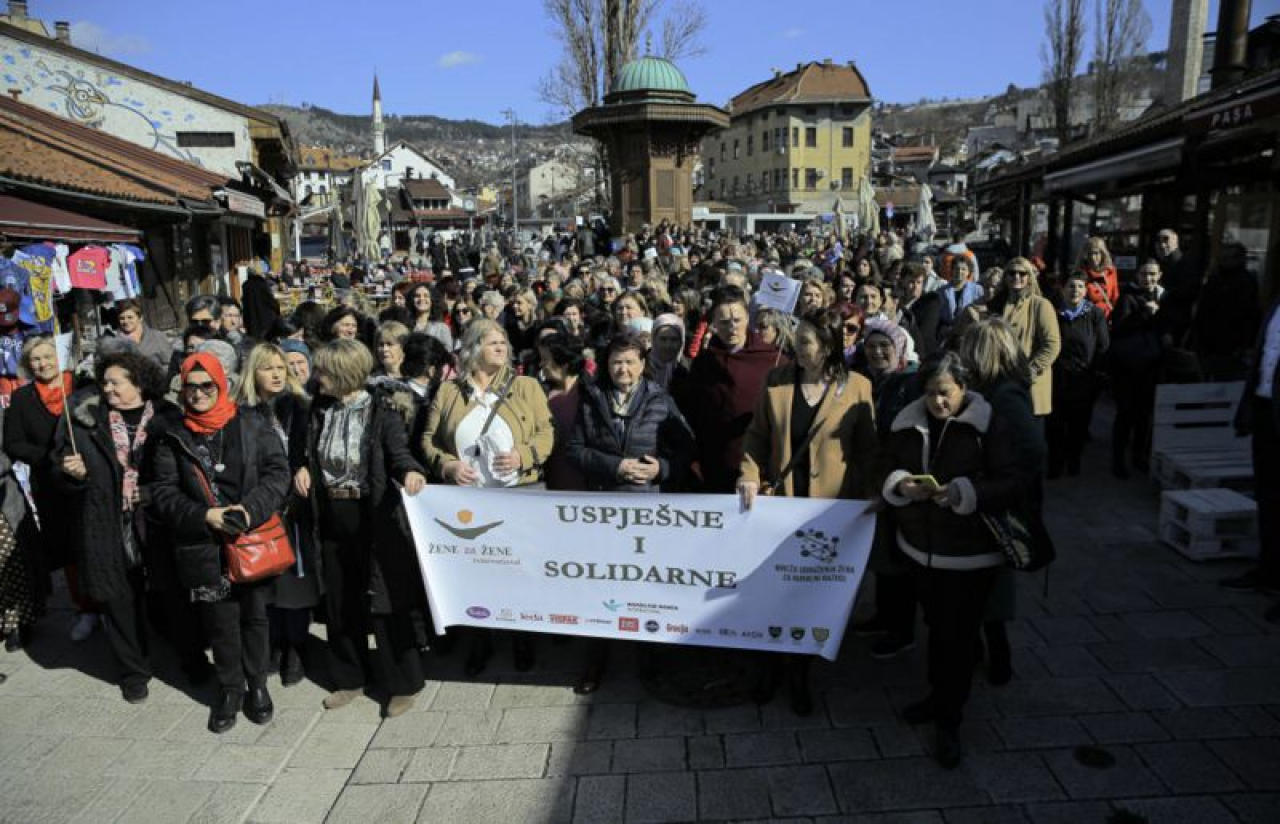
493, 411
790, 465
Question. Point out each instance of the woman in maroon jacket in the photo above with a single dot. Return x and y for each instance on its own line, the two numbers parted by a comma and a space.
724, 385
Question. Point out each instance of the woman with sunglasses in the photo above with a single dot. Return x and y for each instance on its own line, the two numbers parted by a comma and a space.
1034, 324
218, 472
100, 455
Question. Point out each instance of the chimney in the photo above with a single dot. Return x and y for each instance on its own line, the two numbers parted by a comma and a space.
1231, 45
16, 94
1186, 49
17, 10
62, 31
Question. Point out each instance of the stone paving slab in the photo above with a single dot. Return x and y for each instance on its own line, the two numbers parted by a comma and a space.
1134, 651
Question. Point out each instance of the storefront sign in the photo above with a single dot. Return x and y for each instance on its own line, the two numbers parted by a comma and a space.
678, 569
1242, 112
244, 204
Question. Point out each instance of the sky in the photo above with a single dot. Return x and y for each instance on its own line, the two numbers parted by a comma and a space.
474, 59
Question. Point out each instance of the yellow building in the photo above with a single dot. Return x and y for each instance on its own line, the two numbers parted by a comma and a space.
794, 143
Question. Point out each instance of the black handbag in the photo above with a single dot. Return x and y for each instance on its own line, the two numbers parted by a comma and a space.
1022, 537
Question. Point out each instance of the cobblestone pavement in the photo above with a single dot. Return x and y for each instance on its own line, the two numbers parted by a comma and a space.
1135, 651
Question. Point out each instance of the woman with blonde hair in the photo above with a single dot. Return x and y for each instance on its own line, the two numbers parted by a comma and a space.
1034, 325
271, 388
1002, 374
356, 453
389, 343
489, 427
1100, 272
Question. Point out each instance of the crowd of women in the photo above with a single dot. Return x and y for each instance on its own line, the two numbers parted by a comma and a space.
917, 381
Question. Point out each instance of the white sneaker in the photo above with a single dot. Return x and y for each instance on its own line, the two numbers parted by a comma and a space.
85, 623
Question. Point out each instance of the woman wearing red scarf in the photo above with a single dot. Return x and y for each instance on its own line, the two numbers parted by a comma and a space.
245, 466
29, 426
100, 450
1103, 283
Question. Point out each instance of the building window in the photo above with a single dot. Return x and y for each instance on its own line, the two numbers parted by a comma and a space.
811, 179
780, 137
722, 151
810, 137
207, 140
737, 149
764, 141
386, 164
846, 178
795, 178
735, 185
308, 190
751, 144
764, 181
846, 137
779, 179
795, 135
324, 190
811, 111
722, 184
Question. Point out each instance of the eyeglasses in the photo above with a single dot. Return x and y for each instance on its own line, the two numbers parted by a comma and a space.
206, 388
852, 328
1019, 273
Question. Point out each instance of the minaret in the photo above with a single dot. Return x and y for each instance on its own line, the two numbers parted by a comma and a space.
379, 131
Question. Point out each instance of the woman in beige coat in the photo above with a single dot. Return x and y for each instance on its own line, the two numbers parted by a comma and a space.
1031, 317
815, 393
465, 444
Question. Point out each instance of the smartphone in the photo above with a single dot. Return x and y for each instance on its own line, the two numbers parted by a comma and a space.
927, 480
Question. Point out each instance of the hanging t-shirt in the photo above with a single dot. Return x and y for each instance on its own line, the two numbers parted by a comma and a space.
122, 274
12, 276
132, 280
89, 268
115, 274
61, 275
36, 308
10, 350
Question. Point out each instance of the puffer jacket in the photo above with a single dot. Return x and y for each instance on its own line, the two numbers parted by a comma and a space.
975, 457
656, 428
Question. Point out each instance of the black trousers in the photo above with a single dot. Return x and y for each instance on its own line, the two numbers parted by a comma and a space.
1135, 394
237, 631
394, 663
1266, 483
1067, 427
954, 602
125, 626
896, 604
291, 626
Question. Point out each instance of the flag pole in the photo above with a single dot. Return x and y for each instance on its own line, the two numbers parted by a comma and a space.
62, 387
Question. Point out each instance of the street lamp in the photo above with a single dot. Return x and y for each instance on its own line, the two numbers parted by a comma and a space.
515, 214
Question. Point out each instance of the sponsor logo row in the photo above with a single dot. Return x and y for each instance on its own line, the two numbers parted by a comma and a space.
627, 623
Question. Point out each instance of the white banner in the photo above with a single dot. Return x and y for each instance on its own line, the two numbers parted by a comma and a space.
679, 569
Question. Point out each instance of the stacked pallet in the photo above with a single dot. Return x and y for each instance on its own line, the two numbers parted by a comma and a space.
1193, 441
1203, 467
1207, 524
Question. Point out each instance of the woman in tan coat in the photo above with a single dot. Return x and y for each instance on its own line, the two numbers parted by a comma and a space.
1034, 324
815, 393
466, 443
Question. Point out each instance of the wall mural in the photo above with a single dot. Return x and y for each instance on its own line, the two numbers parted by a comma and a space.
113, 104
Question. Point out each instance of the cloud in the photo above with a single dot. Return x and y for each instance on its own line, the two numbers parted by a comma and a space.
94, 38
454, 59
792, 33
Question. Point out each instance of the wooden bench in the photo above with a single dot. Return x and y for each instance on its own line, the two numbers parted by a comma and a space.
1193, 440
1205, 524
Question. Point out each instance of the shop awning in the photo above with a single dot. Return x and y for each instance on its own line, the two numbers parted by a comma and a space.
34, 221
1158, 157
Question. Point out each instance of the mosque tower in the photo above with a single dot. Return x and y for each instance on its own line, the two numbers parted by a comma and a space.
379, 131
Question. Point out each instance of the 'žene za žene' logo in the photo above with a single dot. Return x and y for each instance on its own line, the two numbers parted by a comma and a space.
465, 532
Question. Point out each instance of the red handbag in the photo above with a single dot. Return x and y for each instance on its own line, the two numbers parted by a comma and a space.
261, 552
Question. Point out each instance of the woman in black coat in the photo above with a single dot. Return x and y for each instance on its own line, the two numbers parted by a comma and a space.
953, 436
629, 437
270, 389
100, 457
356, 450
217, 471
1137, 349
1085, 339
29, 427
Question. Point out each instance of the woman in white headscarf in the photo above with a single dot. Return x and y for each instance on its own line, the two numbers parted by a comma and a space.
664, 363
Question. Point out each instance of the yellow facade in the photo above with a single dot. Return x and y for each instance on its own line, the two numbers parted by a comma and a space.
825, 151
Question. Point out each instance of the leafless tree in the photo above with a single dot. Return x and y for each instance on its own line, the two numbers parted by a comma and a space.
599, 37
1060, 55
1120, 35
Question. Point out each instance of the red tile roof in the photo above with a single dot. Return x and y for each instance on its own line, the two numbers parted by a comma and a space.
41, 147
425, 188
23, 219
810, 83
